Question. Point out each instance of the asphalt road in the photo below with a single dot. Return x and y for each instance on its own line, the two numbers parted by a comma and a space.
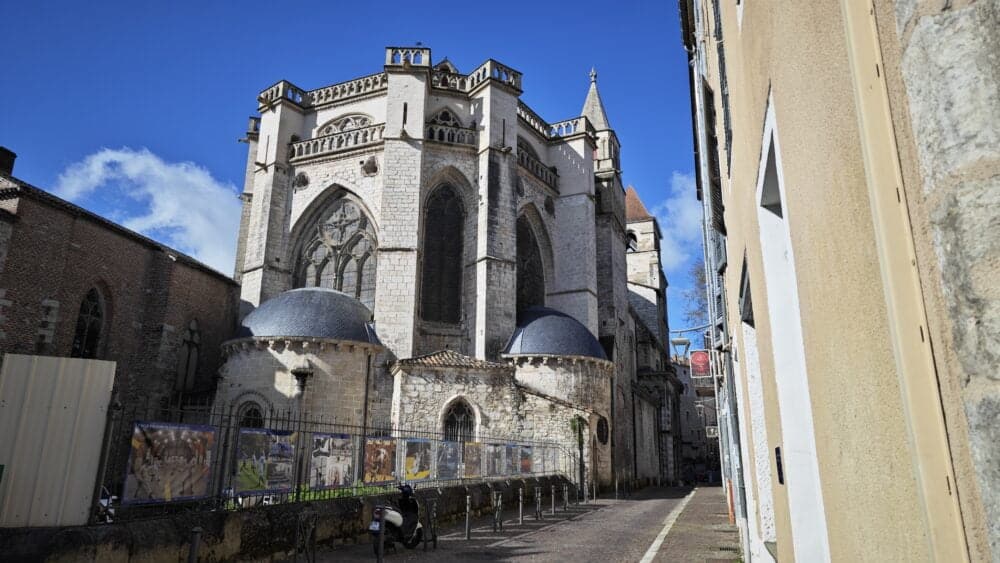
604, 531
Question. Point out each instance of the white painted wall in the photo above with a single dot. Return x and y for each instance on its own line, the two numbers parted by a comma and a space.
801, 468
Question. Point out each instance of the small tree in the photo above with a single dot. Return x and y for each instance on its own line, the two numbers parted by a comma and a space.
696, 298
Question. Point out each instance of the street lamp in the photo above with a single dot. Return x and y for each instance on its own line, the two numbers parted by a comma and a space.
302, 373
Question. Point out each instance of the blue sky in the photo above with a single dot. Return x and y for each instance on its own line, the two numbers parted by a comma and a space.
133, 109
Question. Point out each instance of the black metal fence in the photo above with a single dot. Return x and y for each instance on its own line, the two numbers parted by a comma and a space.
167, 459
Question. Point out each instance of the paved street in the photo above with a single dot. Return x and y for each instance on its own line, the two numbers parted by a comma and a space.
607, 530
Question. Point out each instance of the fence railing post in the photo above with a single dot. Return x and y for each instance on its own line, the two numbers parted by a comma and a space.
195, 540
520, 506
468, 516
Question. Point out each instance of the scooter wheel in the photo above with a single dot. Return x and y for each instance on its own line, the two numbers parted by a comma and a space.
415, 541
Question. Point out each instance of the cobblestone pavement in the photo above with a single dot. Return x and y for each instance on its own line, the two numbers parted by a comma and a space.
605, 531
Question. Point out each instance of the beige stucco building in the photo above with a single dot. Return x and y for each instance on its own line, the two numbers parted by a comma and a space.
848, 158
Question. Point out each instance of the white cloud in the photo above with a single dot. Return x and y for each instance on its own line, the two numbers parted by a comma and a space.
177, 203
679, 217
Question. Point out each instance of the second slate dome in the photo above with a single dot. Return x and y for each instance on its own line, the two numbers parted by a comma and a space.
311, 312
545, 331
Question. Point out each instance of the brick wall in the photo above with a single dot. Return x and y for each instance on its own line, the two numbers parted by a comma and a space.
57, 253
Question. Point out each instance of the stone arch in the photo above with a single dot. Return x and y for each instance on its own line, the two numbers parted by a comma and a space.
529, 220
344, 122
476, 412
252, 397
334, 245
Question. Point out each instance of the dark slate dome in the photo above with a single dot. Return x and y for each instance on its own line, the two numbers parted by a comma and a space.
311, 312
545, 331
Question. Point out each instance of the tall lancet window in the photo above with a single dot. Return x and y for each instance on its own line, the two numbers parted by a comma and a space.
441, 271
530, 272
89, 326
337, 251
459, 422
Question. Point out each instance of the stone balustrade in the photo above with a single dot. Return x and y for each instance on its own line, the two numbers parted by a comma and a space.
283, 90
450, 134
538, 169
532, 119
569, 127
407, 56
449, 81
336, 142
496, 71
351, 88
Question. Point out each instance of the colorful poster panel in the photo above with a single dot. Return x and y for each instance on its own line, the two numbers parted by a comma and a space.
265, 461
493, 458
418, 460
380, 460
525, 460
539, 459
472, 459
168, 462
331, 464
448, 458
511, 459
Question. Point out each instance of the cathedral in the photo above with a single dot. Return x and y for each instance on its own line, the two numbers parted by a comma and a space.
418, 246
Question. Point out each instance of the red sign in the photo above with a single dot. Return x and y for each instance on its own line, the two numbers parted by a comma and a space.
700, 364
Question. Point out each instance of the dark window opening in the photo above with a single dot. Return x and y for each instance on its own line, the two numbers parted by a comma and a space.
89, 324
441, 272
530, 272
459, 422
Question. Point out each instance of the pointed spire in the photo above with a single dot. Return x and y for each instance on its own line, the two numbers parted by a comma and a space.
635, 210
593, 107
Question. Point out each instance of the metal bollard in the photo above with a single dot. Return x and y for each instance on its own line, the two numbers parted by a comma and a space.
195, 540
553, 500
616, 486
594, 485
468, 514
520, 506
565, 497
538, 503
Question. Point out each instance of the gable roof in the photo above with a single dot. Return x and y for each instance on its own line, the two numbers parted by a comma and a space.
450, 358
635, 210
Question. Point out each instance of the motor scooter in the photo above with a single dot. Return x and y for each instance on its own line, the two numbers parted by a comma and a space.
401, 525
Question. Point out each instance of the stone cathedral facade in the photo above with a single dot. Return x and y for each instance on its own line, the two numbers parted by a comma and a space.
418, 246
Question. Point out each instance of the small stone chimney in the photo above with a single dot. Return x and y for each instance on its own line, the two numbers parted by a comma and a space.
7, 157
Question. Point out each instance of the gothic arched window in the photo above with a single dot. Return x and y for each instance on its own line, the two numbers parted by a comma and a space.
441, 272
530, 272
187, 357
251, 415
337, 251
89, 325
459, 422
345, 123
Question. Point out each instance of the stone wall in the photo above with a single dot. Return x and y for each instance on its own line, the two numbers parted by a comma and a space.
950, 77
261, 533
259, 371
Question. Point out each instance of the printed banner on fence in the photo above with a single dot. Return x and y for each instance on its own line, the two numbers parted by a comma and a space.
168, 462
493, 460
380, 460
511, 459
525, 459
472, 459
448, 458
331, 464
418, 460
265, 460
